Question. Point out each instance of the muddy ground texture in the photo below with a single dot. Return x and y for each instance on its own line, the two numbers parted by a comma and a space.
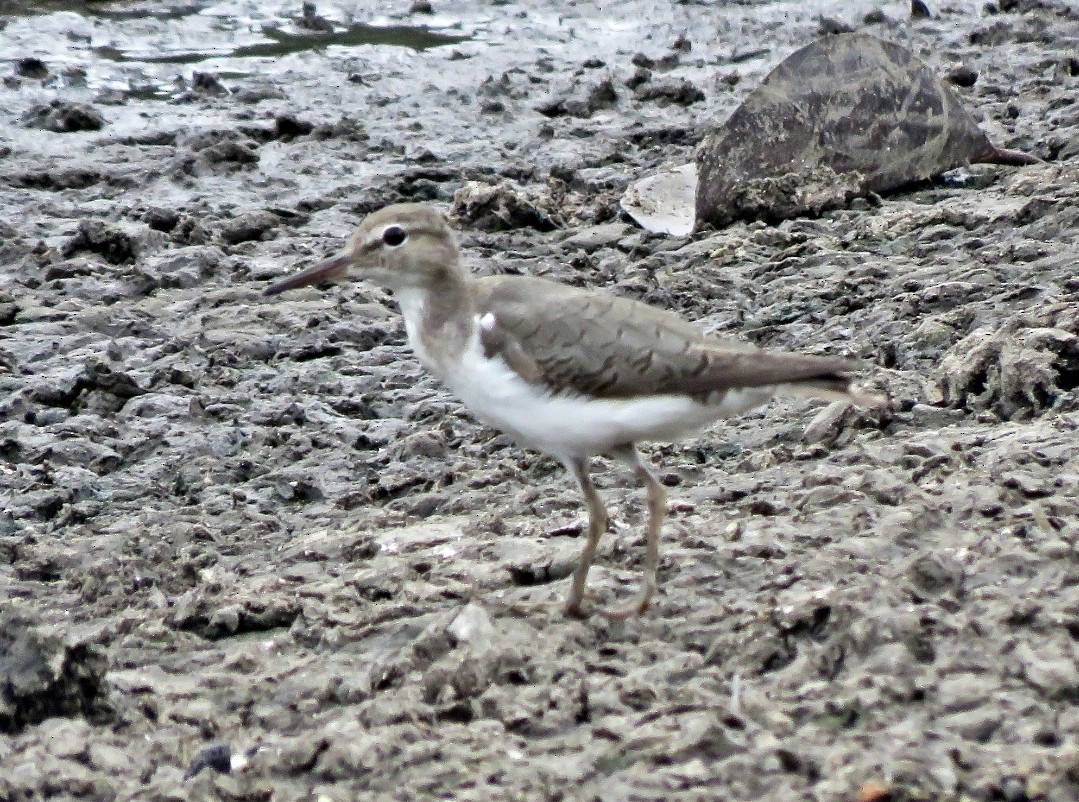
258, 523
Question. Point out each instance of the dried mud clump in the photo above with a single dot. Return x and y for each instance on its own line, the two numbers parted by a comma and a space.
502, 207
64, 117
41, 676
579, 100
1019, 370
108, 241
788, 195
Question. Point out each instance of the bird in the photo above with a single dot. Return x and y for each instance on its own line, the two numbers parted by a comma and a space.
572, 372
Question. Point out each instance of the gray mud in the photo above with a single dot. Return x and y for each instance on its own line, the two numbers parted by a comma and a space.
283, 536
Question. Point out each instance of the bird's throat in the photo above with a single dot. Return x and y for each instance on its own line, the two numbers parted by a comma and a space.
440, 321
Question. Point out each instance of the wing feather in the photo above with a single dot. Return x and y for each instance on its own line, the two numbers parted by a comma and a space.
592, 342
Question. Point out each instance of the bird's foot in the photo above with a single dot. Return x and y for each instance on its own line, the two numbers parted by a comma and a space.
639, 605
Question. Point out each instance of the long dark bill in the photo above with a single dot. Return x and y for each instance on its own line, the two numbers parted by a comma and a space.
331, 269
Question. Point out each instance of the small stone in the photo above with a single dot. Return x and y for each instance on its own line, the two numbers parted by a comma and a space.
828, 424
31, 67
832, 25
161, 219
107, 240
592, 238
217, 757
472, 626
249, 226
962, 76
287, 127
1051, 672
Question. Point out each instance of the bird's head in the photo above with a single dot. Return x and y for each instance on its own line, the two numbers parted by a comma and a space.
404, 246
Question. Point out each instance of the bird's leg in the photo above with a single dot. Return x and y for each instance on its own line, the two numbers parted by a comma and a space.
597, 525
657, 510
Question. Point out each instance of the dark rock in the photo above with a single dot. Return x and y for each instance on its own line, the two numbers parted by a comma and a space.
206, 83
161, 219
829, 26
833, 105
217, 757
64, 117
287, 127
31, 67
962, 76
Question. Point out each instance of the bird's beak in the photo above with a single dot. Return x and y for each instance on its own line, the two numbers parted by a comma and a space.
332, 269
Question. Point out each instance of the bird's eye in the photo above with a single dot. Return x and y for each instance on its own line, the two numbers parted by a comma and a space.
394, 236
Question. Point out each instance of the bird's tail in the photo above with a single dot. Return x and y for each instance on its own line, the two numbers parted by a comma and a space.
836, 388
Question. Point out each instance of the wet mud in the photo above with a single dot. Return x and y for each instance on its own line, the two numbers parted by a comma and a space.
230, 521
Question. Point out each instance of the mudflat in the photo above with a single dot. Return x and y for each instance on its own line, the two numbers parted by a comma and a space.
257, 522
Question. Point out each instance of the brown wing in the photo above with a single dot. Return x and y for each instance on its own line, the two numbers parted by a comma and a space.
592, 342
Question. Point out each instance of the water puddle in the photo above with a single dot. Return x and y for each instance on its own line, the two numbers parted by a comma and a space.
283, 43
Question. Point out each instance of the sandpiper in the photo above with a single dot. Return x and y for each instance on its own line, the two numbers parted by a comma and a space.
572, 372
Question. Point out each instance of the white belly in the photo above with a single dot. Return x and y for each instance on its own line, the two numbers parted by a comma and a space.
567, 426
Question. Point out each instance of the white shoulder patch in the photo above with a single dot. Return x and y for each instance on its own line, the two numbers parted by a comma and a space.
488, 321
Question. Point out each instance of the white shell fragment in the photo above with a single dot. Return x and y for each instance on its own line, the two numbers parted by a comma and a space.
664, 203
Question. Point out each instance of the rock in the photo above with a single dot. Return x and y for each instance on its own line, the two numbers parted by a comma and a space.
828, 424
288, 127
1052, 670
962, 76
182, 267
834, 105
593, 238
